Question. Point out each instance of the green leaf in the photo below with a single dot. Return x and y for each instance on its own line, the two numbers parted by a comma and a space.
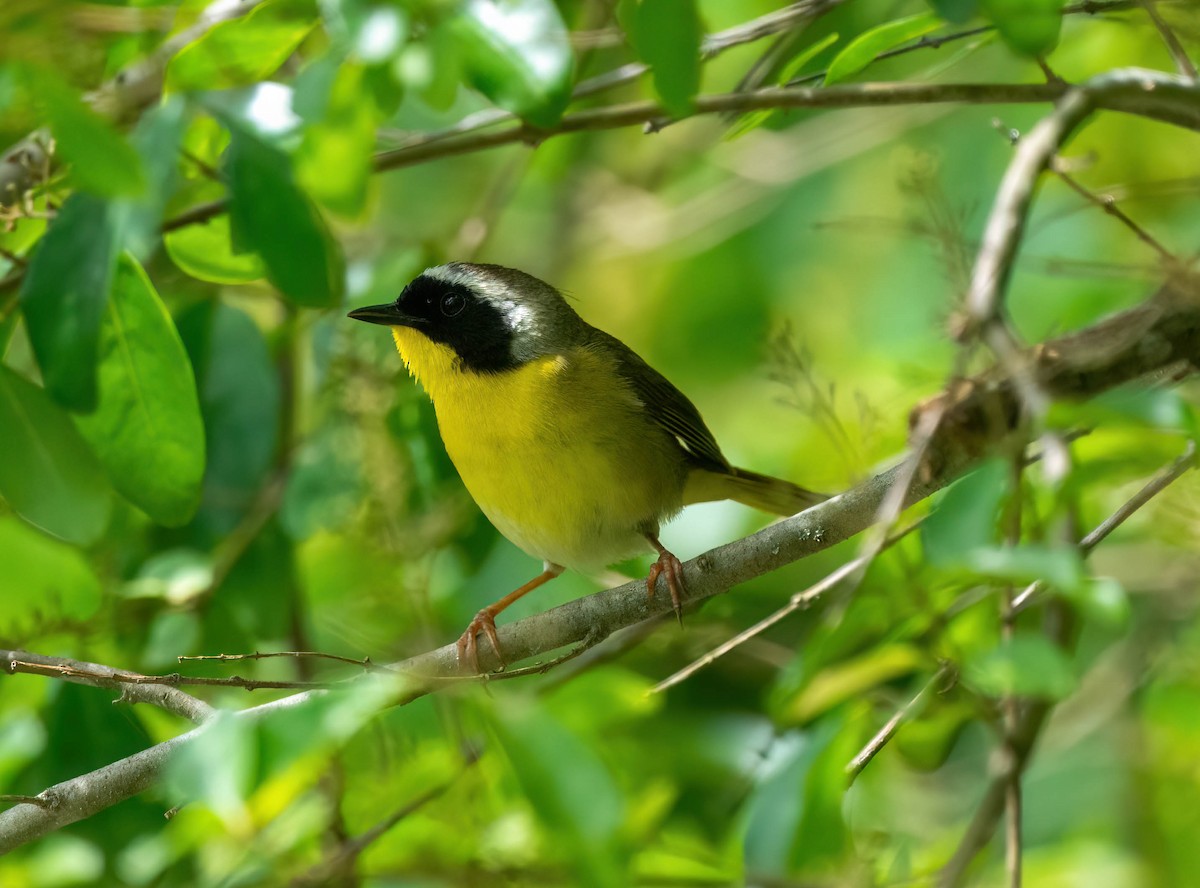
792, 814
1030, 666
102, 162
269, 212
42, 577
264, 110
1061, 566
335, 159
1029, 27
156, 138
217, 769
63, 296
965, 517
956, 12
324, 487
862, 49
849, 679
1103, 599
1159, 408
8, 326
667, 35
205, 252
373, 31
568, 786
146, 429
239, 399
243, 50
47, 473
518, 54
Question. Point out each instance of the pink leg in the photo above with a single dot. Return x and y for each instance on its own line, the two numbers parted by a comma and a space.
671, 566
485, 621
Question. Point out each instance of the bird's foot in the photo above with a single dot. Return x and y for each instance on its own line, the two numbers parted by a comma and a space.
672, 567
468, 642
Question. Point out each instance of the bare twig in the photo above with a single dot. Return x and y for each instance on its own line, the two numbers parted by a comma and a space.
799, 601
991, 807
1108, 204
365, 662
344, 857
1149, 94
1010, 703
106, 676
1006, 222
159, 694
9, 799
1152, 488
1174, 47
885, 734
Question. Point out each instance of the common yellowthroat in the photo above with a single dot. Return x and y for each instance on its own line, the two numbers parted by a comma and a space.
573, 446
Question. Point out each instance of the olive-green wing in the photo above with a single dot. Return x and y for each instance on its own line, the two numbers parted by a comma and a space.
666, 405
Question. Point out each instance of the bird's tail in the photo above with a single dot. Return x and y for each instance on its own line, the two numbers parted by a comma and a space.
750, 488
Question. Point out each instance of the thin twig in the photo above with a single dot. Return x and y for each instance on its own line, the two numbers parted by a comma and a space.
1006, 222
885, 734
1151, 489
344, 857
1150, 94
10, 799
1109, 205
1010, 704
1174, 47
798, 601
95, 674
365, 662
588, 643
159, 694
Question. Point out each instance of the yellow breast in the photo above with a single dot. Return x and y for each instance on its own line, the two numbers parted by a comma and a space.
558, 453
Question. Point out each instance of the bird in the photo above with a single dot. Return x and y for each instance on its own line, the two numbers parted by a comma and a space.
574, 447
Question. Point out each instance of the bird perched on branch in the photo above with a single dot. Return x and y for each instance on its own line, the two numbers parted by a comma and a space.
573, 446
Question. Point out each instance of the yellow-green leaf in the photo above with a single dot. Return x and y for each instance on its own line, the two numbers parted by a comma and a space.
241, 51
862, 49
47, 473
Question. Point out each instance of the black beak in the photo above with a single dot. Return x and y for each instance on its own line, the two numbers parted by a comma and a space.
388, 314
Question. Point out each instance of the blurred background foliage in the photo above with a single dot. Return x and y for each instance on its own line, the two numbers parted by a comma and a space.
200, 454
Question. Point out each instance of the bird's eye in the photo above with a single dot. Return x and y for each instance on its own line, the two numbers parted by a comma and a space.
453, 304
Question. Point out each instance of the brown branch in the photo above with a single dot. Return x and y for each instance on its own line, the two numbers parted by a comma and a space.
106, 676
979, 414
1150, 94
159, 694
1174, 47
1010, 703
364, 662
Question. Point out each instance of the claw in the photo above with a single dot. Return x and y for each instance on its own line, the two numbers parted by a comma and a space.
671, 566
485, 622
468, 642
